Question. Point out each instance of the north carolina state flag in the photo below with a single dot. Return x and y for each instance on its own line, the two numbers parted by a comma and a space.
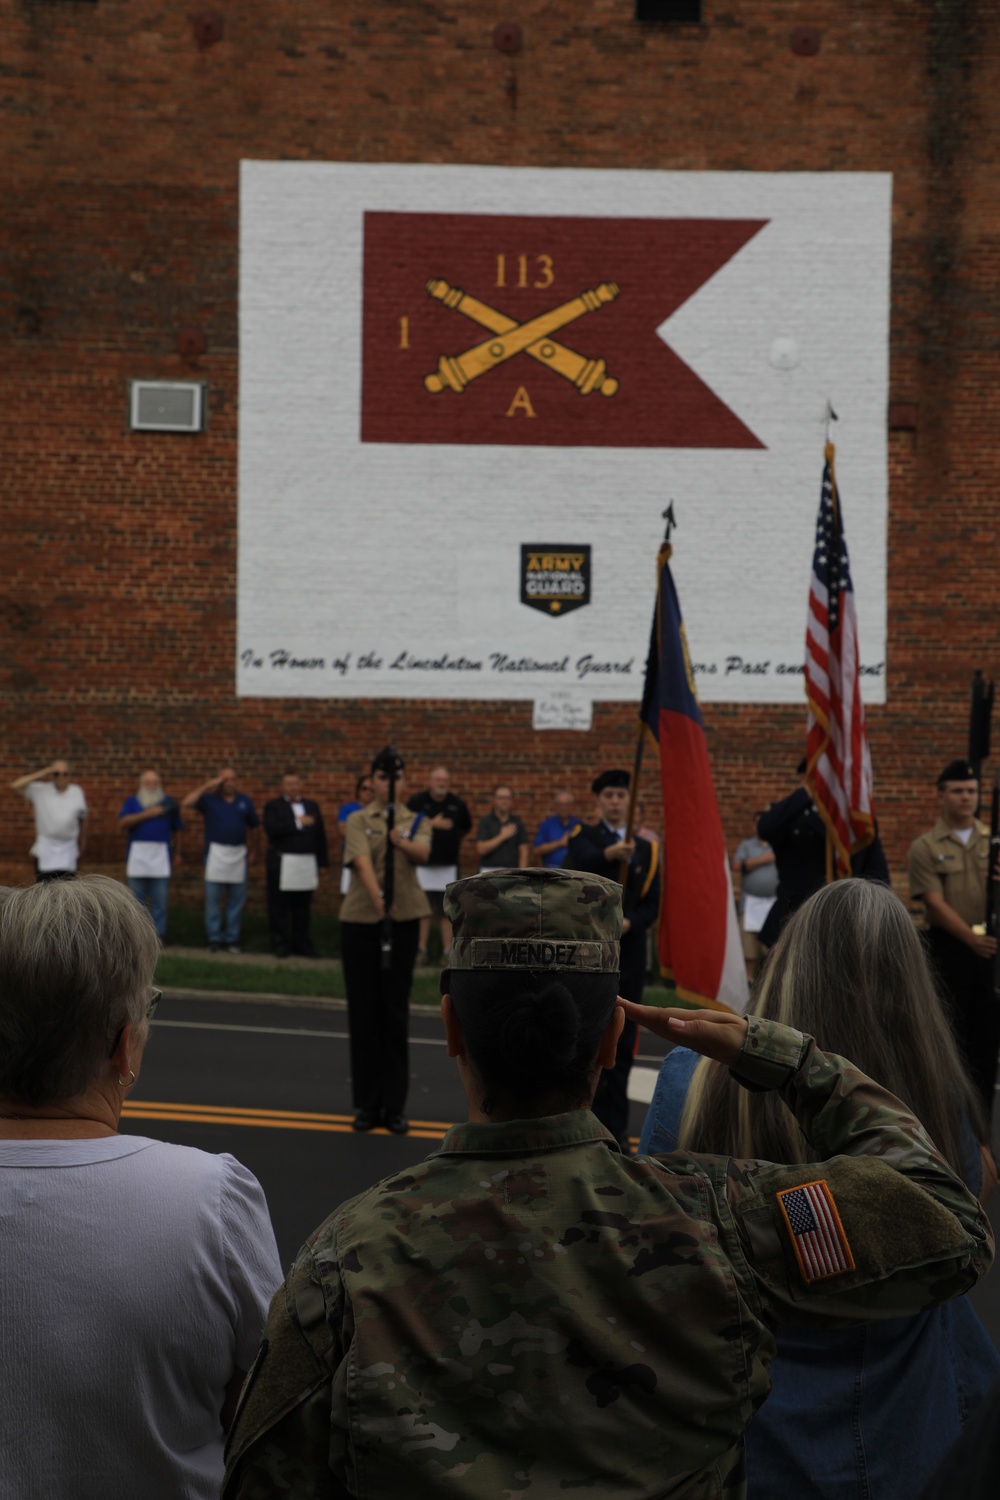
699, 939
483, 328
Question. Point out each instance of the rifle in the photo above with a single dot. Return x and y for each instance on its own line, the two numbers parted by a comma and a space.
993, 887
389, 878
980, 712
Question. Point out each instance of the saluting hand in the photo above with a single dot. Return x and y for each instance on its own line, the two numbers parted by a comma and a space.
615, 853
718, 1034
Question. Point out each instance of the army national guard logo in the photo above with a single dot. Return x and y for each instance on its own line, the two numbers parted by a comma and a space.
555, 580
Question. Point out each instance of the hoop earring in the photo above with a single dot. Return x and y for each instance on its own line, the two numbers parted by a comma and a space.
131, 1079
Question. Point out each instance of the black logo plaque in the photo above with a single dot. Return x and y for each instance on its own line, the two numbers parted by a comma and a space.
555, 579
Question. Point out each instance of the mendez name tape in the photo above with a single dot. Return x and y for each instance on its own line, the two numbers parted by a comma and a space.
538, 953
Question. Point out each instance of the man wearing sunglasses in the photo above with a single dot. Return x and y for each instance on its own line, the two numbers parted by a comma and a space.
60, 820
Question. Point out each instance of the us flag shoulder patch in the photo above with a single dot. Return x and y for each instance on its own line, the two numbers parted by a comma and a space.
818, 1237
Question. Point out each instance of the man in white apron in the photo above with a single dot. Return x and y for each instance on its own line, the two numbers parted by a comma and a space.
60, 820
296, 852
152, 821
229, 850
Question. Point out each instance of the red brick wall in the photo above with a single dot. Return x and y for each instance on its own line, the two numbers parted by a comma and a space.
121, 139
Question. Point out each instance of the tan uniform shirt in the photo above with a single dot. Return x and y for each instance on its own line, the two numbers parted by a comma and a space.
940, 864
364, 833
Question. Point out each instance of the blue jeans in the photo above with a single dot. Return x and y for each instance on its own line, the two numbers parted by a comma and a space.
226, 932
151, 890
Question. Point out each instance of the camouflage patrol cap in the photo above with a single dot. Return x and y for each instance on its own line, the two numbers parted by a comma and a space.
535, 919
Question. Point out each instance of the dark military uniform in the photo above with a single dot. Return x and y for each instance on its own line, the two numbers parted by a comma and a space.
640, 904
530, 1312
797, 834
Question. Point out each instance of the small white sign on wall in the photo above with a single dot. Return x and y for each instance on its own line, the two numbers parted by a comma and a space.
562, 710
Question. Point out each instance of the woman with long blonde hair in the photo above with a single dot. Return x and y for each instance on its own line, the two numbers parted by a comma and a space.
866, 1411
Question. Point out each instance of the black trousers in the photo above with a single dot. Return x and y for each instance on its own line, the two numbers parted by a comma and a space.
41, 876
287, 911
964, 981
965, 984
378, 1009
611, 1100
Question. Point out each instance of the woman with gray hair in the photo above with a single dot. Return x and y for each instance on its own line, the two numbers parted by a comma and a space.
134, 1275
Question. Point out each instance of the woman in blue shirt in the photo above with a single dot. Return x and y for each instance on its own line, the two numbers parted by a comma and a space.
861, 1413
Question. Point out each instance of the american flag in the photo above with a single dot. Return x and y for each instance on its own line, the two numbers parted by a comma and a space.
818, 1236
838, 761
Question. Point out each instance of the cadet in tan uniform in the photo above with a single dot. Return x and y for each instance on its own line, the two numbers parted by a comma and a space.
529, 1311
378, 999
948, 872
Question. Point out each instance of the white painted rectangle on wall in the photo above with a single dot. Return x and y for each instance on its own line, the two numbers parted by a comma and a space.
468, 393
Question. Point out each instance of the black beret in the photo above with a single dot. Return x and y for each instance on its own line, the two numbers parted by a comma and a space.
957, 770
609, 778
388, 761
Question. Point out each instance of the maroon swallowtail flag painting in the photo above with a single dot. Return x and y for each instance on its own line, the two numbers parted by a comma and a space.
517, 330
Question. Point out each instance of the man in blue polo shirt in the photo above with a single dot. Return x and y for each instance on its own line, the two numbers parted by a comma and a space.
152, 821
229, 816
555, 832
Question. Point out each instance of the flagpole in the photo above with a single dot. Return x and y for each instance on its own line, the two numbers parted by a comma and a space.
669, 518
632, 796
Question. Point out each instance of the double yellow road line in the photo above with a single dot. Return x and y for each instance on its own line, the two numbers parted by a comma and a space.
268, 1119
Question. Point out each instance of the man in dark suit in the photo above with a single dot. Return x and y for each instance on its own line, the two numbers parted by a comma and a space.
296, 852
600, 848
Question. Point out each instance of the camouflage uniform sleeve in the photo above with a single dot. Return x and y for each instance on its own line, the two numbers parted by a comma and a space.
878, 1226
283, 1441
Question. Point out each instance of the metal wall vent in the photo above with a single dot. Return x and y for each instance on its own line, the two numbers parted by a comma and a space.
166, 405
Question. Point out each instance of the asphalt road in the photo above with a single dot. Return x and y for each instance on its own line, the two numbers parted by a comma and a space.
270, 1083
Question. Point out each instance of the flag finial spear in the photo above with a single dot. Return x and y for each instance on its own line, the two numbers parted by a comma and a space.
669, 517
831, 416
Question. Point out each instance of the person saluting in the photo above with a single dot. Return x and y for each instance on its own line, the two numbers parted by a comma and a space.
529, 1310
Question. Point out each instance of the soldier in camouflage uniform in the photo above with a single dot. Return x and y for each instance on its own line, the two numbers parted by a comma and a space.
529, 1312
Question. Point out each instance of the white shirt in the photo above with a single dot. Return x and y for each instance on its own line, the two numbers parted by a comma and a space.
57, 824
134, 1279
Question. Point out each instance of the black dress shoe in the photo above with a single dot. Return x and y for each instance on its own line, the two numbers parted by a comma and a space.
398, 1124
367, 1119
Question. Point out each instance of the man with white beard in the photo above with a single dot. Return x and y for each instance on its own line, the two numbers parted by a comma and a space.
152, 822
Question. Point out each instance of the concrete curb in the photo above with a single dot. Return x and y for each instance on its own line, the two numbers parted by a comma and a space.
242, 997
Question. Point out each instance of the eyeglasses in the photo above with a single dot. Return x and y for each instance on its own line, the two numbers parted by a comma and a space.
155, 996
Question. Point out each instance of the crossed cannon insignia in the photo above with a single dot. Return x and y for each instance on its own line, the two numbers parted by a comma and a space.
533, 337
